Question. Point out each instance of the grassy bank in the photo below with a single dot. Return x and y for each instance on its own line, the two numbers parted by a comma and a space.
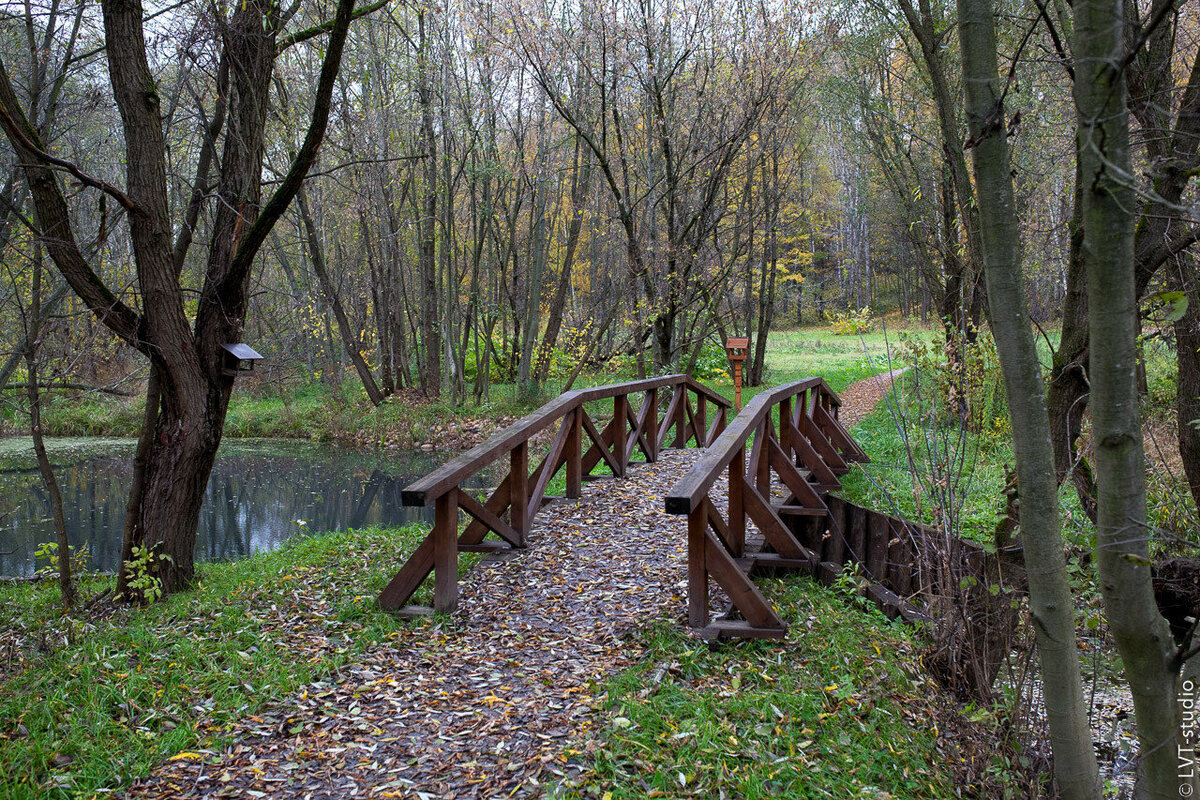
840, 709
92, 700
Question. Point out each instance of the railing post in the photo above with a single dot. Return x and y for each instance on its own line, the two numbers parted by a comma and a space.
785, 417
762, 475
652, 425
701, 420
518, 482
621, 431
445, 552
697, 568
575, 453
680, 421
737, 508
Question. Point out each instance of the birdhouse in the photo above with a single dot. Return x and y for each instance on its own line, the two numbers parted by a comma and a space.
736, 346
239, 357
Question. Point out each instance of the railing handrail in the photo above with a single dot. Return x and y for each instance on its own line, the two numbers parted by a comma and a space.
692, 487
446, 477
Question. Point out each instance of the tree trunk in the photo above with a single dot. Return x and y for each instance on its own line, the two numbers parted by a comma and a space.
1123, 552
1050, 600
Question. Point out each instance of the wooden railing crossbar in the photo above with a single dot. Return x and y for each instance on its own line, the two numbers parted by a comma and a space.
510, 509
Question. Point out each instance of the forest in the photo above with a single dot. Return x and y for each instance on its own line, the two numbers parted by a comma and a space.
394, 229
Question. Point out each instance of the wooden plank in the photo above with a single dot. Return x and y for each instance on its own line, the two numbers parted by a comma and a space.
878, 535
547, 468
679, 423
574, 454
601, 449
496, 504
714, 430
669, 418
787, 510
834, 548
717, 523
687, 492
650, 401
772, 527
737, 629
810, 458
900, 569
737, 508
452, 473
804, 493
700, 420
486, 517
637, 437
829, 454
620, 435
697, 569
445, 552
600, 444
409, 577
741, 590
838, 435
856, 525
518, 477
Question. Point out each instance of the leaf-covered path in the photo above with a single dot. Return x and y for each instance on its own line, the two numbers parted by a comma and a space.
490, 703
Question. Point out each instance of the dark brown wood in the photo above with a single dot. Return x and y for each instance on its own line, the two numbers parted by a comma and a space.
739, 629
620, 428
518, 478
878, 534
856, 523
487, 518
807, 455
834, 549
741, 590
670, 416
737, 509
445, 553
599, 450
700, 420
406, 581
800, 488
838, 435
545, 471
697, 569
574, 453
679, 421
651, 401
900, 569
829, 454
637, 436
496, 504
714, 430
772, 527
451, 474
720, 528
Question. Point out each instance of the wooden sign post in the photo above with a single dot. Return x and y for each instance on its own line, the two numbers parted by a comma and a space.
735, 347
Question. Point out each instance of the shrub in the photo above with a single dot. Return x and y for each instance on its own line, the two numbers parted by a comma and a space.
852, 322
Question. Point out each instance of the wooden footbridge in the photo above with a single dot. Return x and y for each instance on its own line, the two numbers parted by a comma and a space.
783, 455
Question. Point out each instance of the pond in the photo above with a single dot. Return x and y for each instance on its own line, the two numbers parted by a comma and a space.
261, 493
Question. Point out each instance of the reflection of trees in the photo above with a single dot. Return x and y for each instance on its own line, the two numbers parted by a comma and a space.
251, 503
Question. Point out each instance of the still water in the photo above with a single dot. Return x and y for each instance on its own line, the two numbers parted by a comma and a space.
260, 494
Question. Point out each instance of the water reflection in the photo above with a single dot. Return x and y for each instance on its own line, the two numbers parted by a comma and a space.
259, 495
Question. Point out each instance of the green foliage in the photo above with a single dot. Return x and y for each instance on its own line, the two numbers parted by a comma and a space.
712, 364
48, 552
851, 321
92, 701
141, 569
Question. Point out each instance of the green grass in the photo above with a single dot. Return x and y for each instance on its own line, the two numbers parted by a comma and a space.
840, 709
92, 702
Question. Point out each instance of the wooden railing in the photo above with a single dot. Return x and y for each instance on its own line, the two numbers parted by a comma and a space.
510, 509
797, 438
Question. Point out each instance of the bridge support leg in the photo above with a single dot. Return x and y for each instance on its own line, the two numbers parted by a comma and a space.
697, 568
445, 553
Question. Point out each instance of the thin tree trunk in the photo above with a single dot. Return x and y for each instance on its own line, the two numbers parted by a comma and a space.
1050, 600
1123, 552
